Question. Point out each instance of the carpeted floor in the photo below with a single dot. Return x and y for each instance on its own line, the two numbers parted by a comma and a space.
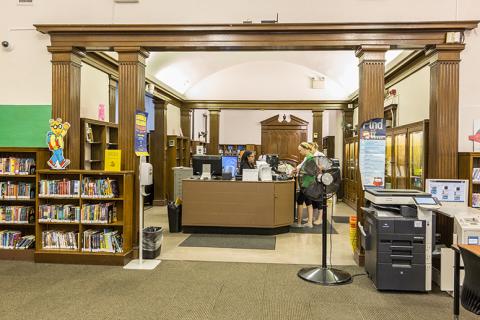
201, 290
232, 241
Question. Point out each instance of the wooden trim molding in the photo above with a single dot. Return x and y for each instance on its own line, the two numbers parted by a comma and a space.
158, 153
279, 36
267, 104
214, 131
112, 100
317, 126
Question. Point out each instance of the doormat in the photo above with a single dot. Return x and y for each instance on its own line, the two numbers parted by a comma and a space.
315, 229
232, 241
341, 219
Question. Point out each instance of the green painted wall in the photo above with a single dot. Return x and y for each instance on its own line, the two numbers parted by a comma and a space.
24, 125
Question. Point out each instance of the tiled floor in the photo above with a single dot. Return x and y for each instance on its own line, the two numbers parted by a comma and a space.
291, 248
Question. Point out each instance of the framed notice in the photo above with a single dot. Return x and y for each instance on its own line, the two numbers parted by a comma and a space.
141, 133
372, 153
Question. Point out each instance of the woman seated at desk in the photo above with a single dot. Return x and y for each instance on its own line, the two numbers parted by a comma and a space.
247, 161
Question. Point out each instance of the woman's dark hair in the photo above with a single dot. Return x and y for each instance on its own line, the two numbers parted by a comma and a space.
245, 156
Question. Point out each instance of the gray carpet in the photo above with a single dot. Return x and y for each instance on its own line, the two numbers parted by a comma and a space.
314, 230
232, 241
202, 291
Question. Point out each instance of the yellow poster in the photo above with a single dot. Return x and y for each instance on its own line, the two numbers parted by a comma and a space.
113, 160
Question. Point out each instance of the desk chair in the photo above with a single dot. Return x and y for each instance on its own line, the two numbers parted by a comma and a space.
471, 284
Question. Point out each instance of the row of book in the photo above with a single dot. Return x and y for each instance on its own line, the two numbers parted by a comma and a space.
59, 188
99, 188
102, 241
58, 213
56, 239
12, 166
16, 190
476, 174
99, 213
17, 214
10, 239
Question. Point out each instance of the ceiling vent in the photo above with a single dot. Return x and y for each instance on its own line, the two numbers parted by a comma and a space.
25, 2
126, 1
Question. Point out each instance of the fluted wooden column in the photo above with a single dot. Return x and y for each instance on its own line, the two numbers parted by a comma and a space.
158, 153
444, 101
66, 64
112, 99
317, 127
186, 122
370, 105
214, 131
131, 97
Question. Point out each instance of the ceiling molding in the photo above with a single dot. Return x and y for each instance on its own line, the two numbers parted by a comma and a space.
278, 36
267, 104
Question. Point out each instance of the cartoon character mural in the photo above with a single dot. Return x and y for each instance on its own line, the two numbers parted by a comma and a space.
55, 136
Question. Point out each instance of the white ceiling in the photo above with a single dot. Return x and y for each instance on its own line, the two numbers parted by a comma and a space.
266, 75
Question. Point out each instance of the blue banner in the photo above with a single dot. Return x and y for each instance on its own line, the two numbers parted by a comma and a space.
141, 133
372, 153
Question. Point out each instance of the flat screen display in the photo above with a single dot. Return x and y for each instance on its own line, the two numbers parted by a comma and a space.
448, 190
425, 200
230, 164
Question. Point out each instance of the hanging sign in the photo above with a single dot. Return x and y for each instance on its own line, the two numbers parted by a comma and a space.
141, 133
372, 153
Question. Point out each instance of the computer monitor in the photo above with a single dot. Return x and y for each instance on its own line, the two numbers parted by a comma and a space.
272, 160
230, 164
215, 162
448, 190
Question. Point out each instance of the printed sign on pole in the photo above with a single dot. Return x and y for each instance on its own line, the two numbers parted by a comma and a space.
372, 153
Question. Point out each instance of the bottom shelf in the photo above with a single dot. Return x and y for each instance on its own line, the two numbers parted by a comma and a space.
77, 257
15, 254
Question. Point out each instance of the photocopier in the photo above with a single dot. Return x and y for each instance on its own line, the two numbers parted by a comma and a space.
397, 236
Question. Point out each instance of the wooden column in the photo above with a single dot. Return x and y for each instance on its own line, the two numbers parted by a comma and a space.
66, 64
370, 105
214, 131
158, 153
317, 127
186, 122
112, 99
131, 97
444, 101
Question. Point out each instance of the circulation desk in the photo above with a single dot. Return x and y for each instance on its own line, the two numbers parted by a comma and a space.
237, 206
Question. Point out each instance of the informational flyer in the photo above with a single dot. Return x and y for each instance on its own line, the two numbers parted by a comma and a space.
372, 153
141, 133
448, 190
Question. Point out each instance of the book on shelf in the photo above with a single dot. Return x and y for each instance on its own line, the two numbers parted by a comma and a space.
99, 213
59, 188
11, 239
20, 166
476, 175
102, 241
17, 214
476, 200
58, 213
99, 188
16, 190
60, 240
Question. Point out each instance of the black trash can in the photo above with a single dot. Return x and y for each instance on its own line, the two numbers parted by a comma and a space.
174, 217
152, 242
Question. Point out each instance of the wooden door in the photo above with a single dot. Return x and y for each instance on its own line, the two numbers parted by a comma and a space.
283, 138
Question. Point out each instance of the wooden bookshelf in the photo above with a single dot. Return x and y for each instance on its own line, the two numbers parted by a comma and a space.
178, 155
40, 155
124, 208
104, 135
467, 162
236, 149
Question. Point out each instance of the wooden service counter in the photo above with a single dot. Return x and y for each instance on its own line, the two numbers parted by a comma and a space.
237, 206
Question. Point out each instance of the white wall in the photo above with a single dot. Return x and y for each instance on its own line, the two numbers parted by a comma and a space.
94, 91
173, 120
243, 126
413, 97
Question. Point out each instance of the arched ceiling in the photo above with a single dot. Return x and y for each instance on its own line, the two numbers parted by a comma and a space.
274, 75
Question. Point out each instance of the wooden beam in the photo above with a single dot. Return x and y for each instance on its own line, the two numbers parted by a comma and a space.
317, 127
319, 105
214, 131
281, 36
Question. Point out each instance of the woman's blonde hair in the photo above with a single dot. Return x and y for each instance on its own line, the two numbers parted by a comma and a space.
306, 146
314, 145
